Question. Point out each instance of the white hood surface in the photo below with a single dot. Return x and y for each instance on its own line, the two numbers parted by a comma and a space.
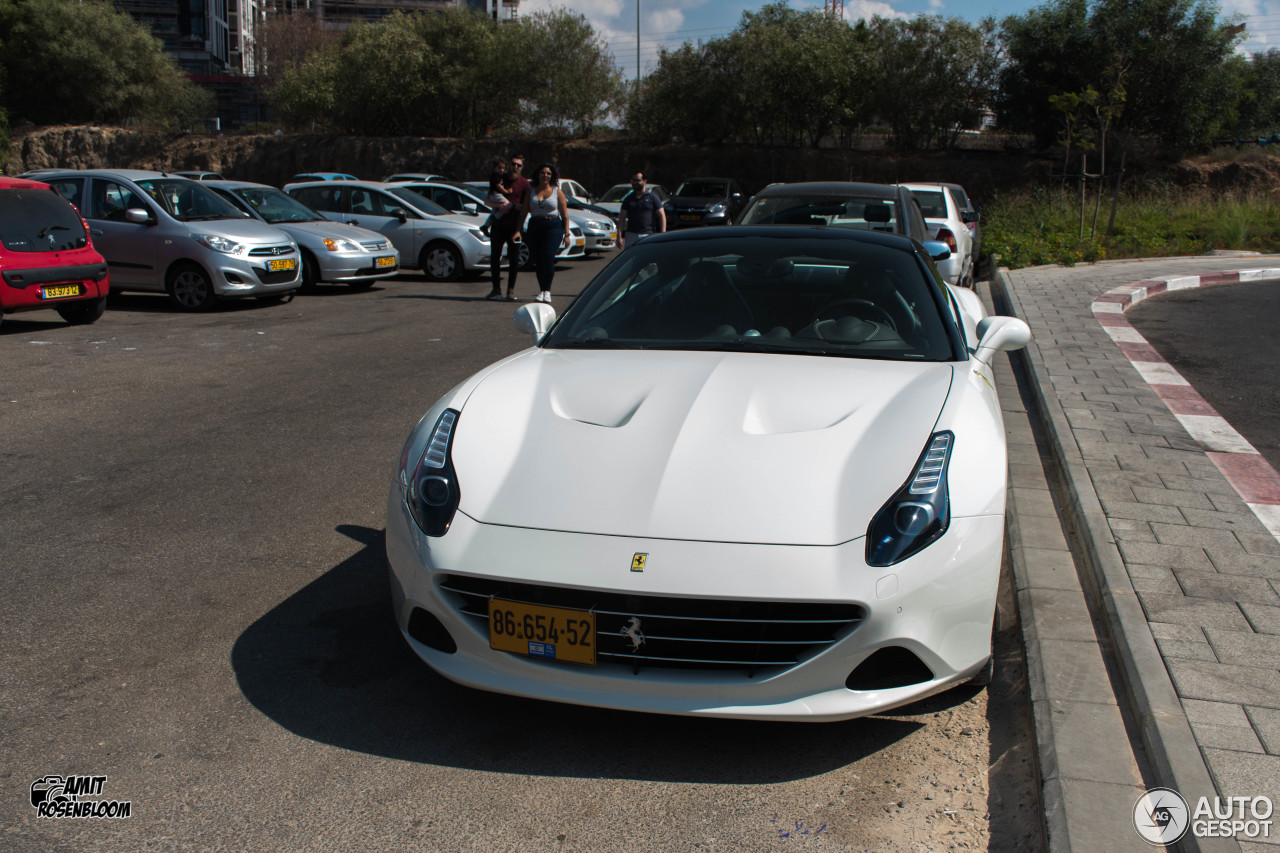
725, 447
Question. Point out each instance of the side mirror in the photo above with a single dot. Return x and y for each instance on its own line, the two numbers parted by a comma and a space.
534, 319
401, 214
472, 208
937, 250
968, 216
999, 334
138, 216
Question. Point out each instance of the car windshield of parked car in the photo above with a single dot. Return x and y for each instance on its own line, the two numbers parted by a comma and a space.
861, 213
275, 206
932, 204
808, 296
617, 193
702, 189
419, 201
187, 201
39, 220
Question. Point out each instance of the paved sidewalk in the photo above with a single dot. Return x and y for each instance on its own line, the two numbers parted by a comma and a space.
1143, 535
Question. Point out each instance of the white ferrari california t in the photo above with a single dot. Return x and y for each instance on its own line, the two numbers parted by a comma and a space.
753, 472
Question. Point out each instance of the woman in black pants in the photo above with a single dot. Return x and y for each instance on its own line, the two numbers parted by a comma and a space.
548, 227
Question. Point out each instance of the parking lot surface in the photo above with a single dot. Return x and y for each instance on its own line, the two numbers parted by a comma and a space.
196, 608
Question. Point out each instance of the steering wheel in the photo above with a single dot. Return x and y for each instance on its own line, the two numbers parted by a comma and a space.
862, 308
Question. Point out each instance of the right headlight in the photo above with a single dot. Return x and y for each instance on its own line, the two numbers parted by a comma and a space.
337, 244
431, 488
919, 513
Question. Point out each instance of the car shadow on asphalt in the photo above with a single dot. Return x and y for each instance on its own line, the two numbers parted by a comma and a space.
329, 664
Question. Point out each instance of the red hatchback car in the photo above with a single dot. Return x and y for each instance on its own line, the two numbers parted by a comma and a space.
46, 257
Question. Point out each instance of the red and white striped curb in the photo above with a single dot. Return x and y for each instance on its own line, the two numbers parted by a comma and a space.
1237, 459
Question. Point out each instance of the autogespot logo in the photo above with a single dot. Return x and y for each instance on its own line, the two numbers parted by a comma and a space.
1161, 816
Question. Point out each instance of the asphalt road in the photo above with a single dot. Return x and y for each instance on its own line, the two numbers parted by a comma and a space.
195, 606
1223, 340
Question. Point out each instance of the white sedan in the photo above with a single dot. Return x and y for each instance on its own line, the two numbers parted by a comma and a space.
753, 472
943, 216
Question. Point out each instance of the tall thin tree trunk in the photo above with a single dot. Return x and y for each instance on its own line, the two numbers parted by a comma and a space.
1115, 196
1084, 170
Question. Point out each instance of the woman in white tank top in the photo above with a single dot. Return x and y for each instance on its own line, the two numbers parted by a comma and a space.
548, 227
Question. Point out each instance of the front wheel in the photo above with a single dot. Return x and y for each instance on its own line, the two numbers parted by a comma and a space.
441, 262
310, 272
83, 313
190, 289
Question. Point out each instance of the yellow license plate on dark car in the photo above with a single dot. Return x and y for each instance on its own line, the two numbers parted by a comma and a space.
282, 264
383, 263
690, 217
551, 633
60, 291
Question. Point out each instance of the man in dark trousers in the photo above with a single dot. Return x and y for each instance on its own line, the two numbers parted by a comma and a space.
640, 214
506, 230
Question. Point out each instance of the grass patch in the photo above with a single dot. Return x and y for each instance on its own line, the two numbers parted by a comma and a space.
1042, 226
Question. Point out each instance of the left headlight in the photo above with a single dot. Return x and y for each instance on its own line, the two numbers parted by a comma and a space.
431, 489
337, 244
596, 225
220, 244
480, 235
919, 513
718, 207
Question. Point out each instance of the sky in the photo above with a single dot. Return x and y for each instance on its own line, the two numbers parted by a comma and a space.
669, 23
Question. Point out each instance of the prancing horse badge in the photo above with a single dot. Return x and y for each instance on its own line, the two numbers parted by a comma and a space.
637, 562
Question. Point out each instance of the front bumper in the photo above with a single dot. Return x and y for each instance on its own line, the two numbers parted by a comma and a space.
252, 276
939, 605
677, 219
349, 267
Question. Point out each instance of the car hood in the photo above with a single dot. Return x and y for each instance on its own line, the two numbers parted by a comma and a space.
696, 201
327, 228
727, 447
243, 230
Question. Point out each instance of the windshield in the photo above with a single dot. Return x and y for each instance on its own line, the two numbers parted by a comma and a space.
812, 296
702, 189
39, 220
187, 201
861, 213
617, 193
275, 206
419, 201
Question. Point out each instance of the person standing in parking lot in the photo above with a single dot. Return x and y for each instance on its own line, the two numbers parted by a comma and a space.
548, 225
505, 231
641, 213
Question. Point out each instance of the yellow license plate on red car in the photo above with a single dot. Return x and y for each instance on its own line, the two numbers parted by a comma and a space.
281, 264
60, 291
383, 263
550, 633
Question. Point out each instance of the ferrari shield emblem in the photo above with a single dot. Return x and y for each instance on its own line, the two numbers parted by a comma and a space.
637, 562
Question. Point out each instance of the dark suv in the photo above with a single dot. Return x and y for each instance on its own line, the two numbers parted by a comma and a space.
704, 201
46, 257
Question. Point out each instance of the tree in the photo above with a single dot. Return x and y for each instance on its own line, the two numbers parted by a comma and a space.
1174, 57
454, 73
935, 76
68, 61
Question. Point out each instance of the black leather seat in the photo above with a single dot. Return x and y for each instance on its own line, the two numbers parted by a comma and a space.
704, 304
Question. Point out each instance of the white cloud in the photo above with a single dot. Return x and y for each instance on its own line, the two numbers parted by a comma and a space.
855, 10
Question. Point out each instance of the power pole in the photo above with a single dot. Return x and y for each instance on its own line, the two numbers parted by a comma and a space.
833, 9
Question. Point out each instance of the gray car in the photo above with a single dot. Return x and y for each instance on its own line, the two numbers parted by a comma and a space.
162, 233
444, 246
839, 204
331, 251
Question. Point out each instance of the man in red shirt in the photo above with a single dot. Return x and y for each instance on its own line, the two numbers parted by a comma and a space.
506, 232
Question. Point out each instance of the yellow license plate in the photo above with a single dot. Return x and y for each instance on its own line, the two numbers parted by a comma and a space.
60, 291
613, 235
690, 217
551, 633
281, 264
581, 241
382, 263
